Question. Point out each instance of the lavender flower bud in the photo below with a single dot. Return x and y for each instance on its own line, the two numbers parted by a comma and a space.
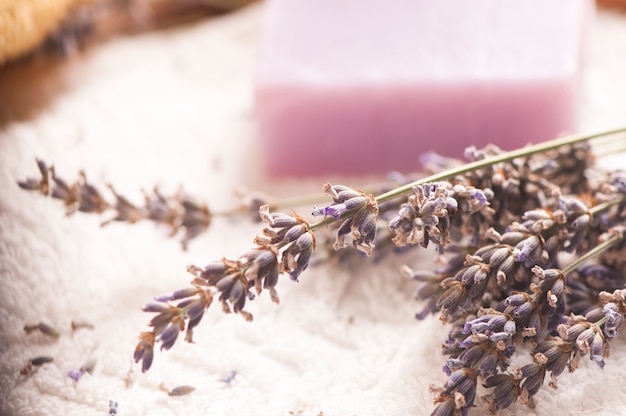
512, 238
113, 406
523, 310
294, 232
596, 349
499, 336
41, 360
489, 364
195, 313
144, 351
534, 374
178, 294
445, 408
584, 339
614, 318
498, 256
528, 251
296, 257
75, 375
335, 211
479, 196
158, 307
181, 390
506, 390
517, 299
340, 193
510, 327
211, 272
169, 335
536, 215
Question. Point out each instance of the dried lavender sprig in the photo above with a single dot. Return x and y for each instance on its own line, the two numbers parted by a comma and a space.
551, 354
545, 302
507, 261
485, 343
182, 214
293, 239
34, 364
580, 336
285, 246
361, 221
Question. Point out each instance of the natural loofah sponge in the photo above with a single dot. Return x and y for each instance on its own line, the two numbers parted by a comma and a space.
24, 24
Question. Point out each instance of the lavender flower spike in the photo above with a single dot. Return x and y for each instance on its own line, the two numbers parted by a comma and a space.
361, 225
345, 199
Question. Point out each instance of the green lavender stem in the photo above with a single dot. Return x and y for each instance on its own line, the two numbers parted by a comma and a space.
604, 205
504, 157
599, 249
469, 167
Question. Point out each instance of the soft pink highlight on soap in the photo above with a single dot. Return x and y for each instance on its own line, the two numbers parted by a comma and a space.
430, 76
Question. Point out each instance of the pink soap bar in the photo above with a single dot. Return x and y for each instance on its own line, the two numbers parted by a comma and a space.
366, 86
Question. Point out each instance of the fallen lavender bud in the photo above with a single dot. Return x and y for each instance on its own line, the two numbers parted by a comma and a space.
177, 391
42, 185
86, 368
35, 363
113, 406
229, 377
76, 325
43, 328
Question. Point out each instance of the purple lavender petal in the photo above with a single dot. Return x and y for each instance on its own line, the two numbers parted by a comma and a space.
479, 196
75, 375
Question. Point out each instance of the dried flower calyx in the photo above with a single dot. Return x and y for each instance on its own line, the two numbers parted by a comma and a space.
34, 363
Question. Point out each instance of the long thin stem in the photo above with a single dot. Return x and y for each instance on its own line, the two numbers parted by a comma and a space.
600, 248
468, 167
604, 205
305, 200
504, 157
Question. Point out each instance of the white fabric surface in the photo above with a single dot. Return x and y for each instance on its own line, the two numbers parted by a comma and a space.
176, 108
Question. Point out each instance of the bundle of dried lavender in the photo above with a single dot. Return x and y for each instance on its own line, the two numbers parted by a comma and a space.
504, 219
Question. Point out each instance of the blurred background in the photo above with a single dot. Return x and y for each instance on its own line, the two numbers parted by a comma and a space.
40, 41
38, 37
140, 93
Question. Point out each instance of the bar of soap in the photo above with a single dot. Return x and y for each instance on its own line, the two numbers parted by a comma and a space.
366, 86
